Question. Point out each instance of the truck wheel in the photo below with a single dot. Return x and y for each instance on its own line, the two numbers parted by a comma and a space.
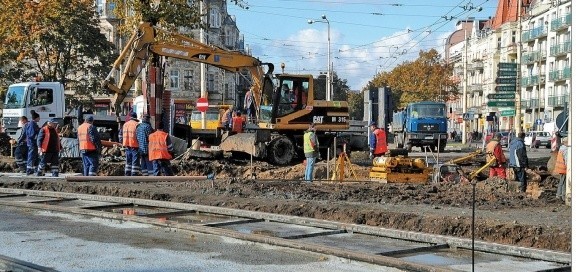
409, 147
281, 151
441, 148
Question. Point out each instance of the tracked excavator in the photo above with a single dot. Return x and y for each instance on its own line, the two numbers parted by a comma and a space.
285, 104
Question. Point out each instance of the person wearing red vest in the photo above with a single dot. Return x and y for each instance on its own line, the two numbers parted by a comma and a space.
90, 147
378, 141
132, 165
560, 168
160, 152
494, 150
48, 147
238, 123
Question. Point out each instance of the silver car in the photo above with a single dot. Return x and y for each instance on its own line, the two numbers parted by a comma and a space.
542, 138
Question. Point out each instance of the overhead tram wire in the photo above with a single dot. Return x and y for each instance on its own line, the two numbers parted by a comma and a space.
470, 11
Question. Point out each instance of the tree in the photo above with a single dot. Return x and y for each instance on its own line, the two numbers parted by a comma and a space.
355, 105
58, 40
424, 79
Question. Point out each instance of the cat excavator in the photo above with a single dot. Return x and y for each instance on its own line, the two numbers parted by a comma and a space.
281, 117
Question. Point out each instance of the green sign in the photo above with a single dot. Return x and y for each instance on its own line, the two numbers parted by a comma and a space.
505, 88
501, 96
507, 73
496, 103
506, 80
507, 66
507, 113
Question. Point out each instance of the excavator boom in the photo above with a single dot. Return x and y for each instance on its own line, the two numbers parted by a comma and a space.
149, 39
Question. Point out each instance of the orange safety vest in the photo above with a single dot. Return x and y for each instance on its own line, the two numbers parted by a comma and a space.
158, 146
381, 137
129, 135
560, 167
237, 124
84, 139
44, 145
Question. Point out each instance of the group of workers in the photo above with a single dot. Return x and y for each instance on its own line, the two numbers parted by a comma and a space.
518, 161
37, 147
233, 121
148, 152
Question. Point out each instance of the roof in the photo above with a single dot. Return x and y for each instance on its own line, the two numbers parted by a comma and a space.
507, 11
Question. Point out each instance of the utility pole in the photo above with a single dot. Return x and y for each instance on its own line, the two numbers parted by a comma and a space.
518, 115
203, 66
464, 97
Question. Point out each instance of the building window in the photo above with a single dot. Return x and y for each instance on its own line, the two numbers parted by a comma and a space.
174, 79
513, 36
100, 6
498, 43
214, 18
210, 83
188, 80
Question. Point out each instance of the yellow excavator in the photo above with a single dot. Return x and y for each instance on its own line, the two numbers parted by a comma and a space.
281, 116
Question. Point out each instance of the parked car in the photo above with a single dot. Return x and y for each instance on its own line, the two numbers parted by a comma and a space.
506, 137
542, 138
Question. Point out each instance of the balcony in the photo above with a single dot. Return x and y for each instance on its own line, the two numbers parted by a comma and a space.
559, 75
477, 64
561, 23
475, 88
558, 101
535, 103
561, 49
535, 33
534, 56
530, 81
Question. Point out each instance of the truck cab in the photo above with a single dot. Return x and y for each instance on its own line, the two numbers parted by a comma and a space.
46, 98
421, 124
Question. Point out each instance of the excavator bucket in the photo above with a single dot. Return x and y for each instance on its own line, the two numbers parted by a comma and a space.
243, 143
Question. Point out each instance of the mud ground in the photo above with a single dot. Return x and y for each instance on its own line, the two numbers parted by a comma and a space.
502, 215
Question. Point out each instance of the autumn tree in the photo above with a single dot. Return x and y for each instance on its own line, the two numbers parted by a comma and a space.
355, 105
425, 79
58, 40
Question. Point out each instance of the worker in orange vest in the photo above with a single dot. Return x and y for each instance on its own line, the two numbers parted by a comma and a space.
160, 151
129, 140
238, 123
48, 147
378, 141
90, 147
561, 167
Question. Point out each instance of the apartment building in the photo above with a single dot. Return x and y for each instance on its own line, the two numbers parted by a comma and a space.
182, 79
477, 47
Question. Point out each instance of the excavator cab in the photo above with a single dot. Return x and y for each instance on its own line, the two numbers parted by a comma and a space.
283, 96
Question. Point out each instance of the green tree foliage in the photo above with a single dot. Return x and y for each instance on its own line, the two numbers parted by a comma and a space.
427, 78
57, 40
355, 105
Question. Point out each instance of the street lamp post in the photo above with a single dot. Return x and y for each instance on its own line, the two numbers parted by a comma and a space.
329, 72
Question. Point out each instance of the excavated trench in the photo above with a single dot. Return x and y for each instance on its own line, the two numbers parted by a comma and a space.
502, 215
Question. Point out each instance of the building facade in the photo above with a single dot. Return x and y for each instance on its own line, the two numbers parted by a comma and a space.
477, 47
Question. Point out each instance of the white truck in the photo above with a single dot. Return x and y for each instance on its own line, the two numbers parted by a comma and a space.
46, 98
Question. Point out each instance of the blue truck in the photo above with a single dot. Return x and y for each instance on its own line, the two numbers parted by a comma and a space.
421, 124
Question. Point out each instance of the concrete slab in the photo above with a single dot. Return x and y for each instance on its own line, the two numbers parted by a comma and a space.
274, 229
364, 243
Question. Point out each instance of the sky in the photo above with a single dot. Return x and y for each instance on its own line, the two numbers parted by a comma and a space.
366, 36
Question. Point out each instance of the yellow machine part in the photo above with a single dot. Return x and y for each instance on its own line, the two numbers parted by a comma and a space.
400, 169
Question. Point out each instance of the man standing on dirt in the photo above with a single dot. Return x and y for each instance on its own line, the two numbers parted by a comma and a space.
21, 150
378, 141
160, 151
31, 129
519, 160
143, 131
48, 143
90, 147
560, 169
310, 151
494, 150
132, 167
